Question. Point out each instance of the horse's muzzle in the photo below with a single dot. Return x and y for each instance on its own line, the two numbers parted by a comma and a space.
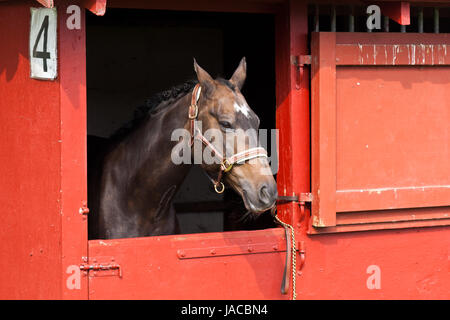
261, 199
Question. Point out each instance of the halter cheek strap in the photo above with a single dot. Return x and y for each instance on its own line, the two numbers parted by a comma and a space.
193, 110
226, 164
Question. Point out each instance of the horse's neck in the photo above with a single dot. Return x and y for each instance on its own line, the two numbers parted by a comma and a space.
155, 165
140, 169
139, 178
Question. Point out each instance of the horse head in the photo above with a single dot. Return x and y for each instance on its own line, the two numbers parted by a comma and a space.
232, 139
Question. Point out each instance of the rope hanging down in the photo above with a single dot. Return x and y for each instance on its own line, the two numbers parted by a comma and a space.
293, 252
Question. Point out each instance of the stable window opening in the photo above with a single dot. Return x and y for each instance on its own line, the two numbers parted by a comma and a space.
134, 54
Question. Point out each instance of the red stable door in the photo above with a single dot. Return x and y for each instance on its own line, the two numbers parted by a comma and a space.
232, 265
229, 265
380, 131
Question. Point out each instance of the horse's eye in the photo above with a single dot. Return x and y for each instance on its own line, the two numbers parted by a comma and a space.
225, 124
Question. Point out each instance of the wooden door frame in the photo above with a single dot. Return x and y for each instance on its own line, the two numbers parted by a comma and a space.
292, 114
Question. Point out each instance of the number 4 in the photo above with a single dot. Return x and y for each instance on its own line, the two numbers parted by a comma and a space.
44, 55
43, 43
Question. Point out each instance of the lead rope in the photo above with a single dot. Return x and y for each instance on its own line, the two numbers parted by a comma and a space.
293, 253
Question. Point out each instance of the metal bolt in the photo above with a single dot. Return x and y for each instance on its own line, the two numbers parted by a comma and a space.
83, 210
181, 253
213, 251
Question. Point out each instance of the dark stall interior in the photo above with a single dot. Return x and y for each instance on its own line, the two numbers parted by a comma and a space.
133, 54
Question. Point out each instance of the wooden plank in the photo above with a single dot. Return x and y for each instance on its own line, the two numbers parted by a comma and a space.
323, 129
399, 215
200, 5
73, 191
292, 106
392, 198
380, 226
393, 54
391, 38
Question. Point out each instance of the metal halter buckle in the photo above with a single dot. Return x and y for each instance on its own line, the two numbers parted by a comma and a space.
227, 165
195, 113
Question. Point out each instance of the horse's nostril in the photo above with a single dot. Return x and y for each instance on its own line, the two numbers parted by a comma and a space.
265, 195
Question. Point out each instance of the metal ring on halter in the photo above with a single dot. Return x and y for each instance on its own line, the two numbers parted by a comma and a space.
222, 189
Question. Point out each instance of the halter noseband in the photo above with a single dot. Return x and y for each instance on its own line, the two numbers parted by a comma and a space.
226, 164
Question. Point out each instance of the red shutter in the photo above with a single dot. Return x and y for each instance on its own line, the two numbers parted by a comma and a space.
380, 113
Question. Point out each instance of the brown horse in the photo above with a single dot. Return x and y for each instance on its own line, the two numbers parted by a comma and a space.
140, 177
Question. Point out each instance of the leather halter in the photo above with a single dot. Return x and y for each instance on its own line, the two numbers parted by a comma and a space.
226, 164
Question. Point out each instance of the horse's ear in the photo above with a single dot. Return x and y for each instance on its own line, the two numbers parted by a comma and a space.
239, 75
204, 78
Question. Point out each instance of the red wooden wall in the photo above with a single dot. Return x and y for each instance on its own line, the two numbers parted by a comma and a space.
30, 170
43, 161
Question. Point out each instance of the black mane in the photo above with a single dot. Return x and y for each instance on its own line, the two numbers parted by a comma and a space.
155, 104
142, 112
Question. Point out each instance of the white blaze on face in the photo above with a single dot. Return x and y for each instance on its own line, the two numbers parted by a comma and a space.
243, 108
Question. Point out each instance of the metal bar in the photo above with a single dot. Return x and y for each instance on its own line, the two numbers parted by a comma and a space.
386, 24
403, 28
333, 18
316, 18
256, 246
420, 20
436, 20
102, 267
351, 19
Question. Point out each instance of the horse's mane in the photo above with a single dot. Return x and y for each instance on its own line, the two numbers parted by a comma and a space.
158, 102
152, 105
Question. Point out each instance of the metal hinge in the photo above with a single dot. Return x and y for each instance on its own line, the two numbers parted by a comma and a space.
299, 62
107, 268
301, 198
305, 197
